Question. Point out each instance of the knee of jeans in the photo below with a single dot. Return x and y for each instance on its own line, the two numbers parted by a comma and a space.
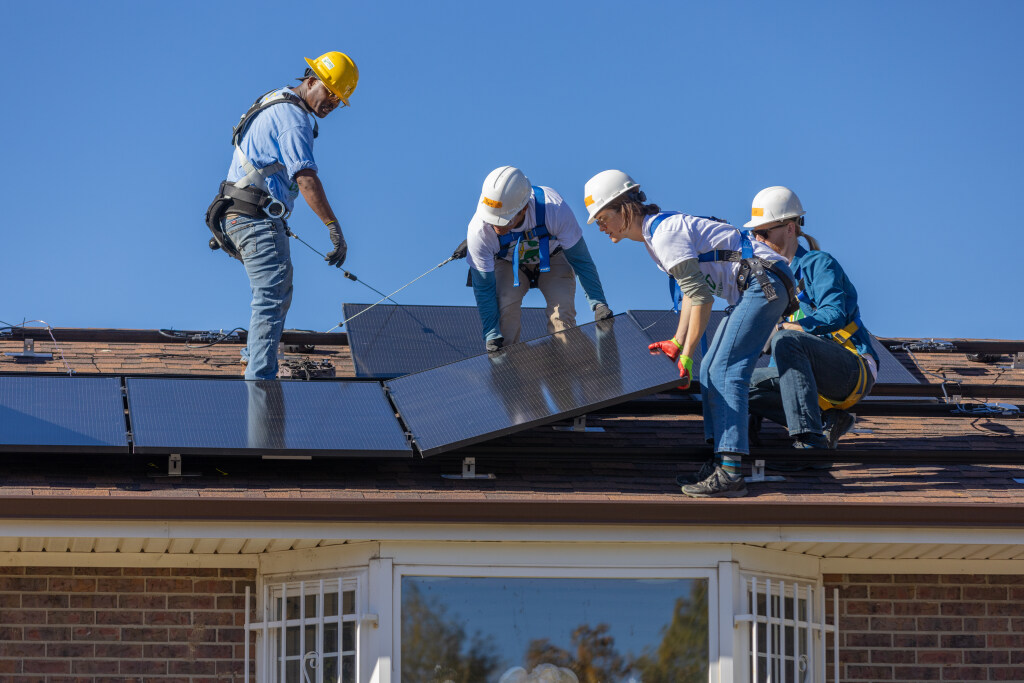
786, 342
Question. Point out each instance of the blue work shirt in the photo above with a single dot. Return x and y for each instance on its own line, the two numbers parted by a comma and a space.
830, 301
282, 133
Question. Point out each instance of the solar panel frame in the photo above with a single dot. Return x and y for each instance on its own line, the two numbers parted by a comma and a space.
62, 415
274, 417
390, 341
547, 369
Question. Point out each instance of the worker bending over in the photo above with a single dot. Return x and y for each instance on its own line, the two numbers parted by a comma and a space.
525, 236
822, 358
708, 258
272, 164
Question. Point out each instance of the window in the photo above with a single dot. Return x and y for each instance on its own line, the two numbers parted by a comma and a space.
787, 631
309, 632
499, 629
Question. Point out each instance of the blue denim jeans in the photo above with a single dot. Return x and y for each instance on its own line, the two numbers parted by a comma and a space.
806, 365
729, 362
266, 254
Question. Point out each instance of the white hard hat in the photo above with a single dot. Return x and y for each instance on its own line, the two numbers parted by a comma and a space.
603, 188
506, 190
774, 204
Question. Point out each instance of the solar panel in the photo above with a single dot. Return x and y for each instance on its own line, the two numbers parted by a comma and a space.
236, 417
62, 414
390, 341
661, 325
528, 384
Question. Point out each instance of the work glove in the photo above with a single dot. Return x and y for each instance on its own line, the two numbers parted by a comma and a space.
495, 344
685, 371
602, 312
670, 348
461, 250
336, 256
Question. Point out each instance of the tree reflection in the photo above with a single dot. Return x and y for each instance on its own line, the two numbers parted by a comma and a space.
436, 649
680, 657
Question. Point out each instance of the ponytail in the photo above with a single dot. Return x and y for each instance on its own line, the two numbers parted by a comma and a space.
632, 205
811, 242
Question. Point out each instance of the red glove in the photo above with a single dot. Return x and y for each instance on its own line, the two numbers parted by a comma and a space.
685, 371
670, 348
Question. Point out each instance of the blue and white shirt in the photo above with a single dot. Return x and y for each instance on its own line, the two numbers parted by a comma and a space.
282, 133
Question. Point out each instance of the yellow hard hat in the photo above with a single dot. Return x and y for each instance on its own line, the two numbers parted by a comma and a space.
337, 71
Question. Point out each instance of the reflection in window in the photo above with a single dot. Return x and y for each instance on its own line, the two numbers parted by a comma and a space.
491, 630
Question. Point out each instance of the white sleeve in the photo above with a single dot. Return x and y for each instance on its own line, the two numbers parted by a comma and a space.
561, 221
673, 241
481, 250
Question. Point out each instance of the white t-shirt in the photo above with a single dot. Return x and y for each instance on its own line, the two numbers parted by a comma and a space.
682, 237
563, 230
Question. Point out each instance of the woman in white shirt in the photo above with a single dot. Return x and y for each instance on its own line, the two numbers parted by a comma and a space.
707, 258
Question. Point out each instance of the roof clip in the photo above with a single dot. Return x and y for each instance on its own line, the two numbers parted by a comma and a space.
987, 409
579, 424
955, 398
29, 352
468, 471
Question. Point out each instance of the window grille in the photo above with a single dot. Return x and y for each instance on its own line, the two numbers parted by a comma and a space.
308, 632
787, 631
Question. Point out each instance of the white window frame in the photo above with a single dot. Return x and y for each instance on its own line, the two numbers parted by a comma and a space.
270, 631
551, 572
789, 591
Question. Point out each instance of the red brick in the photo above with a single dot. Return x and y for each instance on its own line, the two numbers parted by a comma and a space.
166, 618
854, 623
9, 633
962, 640
70, 649
98, 571
964, 673
1017, 594
22, 650
10, 599
893, 592
869, 673
938, 592
1015, 673
191, 602
987, 624
195, 668
985, 592
44, 601
95, 633
71, 617
230, 635
915, 640
147, 571
21, 584
167, 651
963, 578
865, 607
119, 650
231, 602
72, 585
169, 585
118, 617
45, 666
211, 586
118, 585
12, 571
93, 601
214, 619
872, 640
893, 624
915, 608
195, 572
94, 666
10, 666
1004, 609
986, 657
206, 651
47, 634
964, 609
229, 572
142, 601
916, 579
940, 624
1010, 640
940, 657
143, 666
193, 635
920, 673
22, 616
145, 635
887, 656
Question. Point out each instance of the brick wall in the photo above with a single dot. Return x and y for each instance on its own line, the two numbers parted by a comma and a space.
923, 627
122, 624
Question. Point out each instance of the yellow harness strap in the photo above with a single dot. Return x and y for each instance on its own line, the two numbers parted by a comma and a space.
843, 338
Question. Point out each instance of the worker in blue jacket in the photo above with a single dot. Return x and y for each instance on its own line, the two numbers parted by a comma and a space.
822, 360
523, 236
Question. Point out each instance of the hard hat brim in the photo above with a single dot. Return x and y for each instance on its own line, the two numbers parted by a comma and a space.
322, 77
594, 211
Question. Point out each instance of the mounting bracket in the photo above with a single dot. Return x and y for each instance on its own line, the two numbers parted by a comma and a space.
468, 471
29, 352
757, 474
579, 424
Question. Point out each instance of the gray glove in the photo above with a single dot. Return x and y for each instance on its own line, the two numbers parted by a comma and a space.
602, 312
336, 256
495, 344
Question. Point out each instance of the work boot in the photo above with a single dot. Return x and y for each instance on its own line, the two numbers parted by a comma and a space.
806, 441
719, 485
837, 423
705, 471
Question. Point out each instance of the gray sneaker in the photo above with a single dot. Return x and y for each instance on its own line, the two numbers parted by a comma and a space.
837, 423
718, 485
705, 471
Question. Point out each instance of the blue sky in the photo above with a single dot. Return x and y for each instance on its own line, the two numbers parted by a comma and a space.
897, 123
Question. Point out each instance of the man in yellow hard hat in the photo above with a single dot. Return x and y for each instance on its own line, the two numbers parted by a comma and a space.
272, 164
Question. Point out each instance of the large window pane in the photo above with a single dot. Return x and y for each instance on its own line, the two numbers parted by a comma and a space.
477, 630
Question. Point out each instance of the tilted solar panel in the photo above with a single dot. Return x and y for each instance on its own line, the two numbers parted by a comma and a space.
62, 414
238, 417
528, 384
661, 325
390, 341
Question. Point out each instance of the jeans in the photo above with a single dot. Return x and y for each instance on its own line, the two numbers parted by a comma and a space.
807, 365
266, 254
729, 362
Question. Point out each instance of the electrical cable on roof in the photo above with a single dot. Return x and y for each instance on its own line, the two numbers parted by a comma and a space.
52, 338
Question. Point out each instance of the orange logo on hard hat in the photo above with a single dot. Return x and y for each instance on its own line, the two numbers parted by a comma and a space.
756, 211
494, 204
588, 200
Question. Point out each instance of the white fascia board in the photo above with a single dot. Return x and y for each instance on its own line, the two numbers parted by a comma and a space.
289, 565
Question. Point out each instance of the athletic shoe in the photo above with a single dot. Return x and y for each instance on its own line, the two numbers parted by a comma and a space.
705, 471
837, 423
719, 485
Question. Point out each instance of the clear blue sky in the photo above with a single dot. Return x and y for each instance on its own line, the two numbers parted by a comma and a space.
897, 123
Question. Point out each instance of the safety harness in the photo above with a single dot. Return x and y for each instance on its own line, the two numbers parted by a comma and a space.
540, 232
249, 195
750, 267
844, 338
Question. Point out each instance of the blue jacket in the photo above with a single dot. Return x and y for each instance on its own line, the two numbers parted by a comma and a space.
829, 299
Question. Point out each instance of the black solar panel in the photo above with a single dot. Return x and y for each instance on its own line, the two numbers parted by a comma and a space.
661, 325
62, 414
528, 384
236, 417
390, 341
